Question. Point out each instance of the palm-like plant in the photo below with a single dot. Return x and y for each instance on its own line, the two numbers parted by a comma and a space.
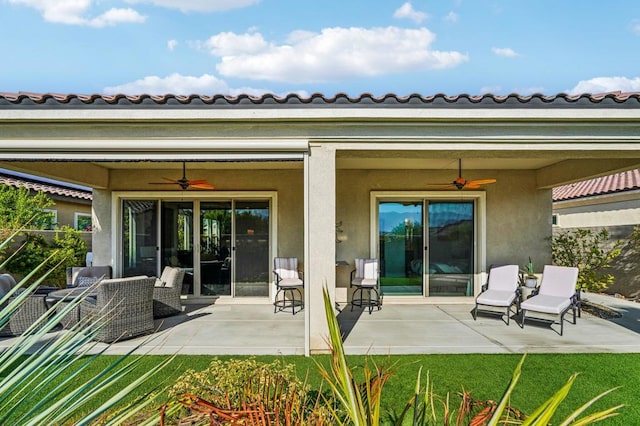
38, 375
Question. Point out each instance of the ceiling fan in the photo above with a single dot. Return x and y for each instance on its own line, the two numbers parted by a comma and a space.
185, 183
461, 182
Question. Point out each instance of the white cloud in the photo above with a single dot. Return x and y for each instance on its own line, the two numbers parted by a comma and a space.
199, 5
74, 12
606, 84
504, 51
117, 16
171, 45
494, 90
333, 54
635, 26
178, 84
227, 43
406, 11
451, 17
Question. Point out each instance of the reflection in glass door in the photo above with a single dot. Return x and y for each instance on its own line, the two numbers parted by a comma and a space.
177, 239
451, 242
139, 237
401, 246
215, 248
251, 255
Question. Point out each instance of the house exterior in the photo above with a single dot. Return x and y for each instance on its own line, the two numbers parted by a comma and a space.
323, 179
72, 205
611, 202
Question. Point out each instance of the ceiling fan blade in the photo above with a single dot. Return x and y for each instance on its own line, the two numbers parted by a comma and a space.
198, 182
203, 185
168, 182
481, 182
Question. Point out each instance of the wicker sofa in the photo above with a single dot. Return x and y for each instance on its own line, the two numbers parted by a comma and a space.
166, 292
127, 305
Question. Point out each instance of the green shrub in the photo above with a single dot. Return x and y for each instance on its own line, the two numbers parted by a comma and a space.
66, 249
591, 252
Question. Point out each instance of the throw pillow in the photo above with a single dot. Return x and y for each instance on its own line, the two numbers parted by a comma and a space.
87, 281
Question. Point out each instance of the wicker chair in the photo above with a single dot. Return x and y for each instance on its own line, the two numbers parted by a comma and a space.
96, 272
166, 292
33, 308
128, 305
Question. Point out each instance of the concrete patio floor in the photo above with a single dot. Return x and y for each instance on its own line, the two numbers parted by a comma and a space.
245, 329
395, 329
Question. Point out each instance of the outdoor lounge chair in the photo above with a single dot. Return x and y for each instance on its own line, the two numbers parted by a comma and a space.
365, 279
126, 304
166, 292
501, 290
555, 295
288, 282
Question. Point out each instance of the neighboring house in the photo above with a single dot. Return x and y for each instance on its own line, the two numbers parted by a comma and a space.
72, 205
288, 170
611, 202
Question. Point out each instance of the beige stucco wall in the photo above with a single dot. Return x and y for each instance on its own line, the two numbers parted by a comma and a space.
287, 183
518, 216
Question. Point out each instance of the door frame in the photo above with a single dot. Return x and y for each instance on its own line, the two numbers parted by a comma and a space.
480, 226
116, 223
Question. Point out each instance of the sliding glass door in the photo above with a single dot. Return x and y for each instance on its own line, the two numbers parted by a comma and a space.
226, 251
450, 248
401, 247
437, 260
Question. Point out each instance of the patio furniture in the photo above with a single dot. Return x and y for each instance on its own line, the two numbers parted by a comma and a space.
502, 290
555, 295
365, 279
62, 297
86, 275
288, 282
166, 292
126, 304
33, 308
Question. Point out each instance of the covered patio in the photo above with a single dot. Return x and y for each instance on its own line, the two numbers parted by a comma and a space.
250, 329
326, 180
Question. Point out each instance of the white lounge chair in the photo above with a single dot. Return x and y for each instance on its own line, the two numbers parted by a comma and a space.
288, 282
555, 295
365, 279
500, 291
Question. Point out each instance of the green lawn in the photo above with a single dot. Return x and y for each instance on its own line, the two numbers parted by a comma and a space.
485, 376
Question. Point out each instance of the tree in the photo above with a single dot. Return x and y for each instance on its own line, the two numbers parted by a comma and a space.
591, 252
20, 208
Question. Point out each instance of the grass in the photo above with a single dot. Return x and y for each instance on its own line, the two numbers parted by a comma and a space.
485, 376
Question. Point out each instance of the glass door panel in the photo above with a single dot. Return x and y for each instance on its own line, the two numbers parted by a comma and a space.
401, 246
215, 244
451, 242
139, 237
251, 256
177, 239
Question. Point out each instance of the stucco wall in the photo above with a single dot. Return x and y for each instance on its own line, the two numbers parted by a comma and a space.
618, 214
518, 222
287, 183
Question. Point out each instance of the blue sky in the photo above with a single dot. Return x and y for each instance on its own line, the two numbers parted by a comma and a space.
301, 46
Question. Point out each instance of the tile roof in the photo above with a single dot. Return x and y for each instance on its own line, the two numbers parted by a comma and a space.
45, 187
612, 99
619, 182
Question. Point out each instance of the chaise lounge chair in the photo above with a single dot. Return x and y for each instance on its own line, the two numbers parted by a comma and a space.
500, 291
555, 295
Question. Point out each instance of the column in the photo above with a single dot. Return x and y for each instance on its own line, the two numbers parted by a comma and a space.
320, 242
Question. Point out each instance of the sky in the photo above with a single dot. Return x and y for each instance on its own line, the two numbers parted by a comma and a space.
234, 47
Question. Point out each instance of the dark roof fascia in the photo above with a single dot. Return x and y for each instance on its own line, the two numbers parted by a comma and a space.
464, 101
